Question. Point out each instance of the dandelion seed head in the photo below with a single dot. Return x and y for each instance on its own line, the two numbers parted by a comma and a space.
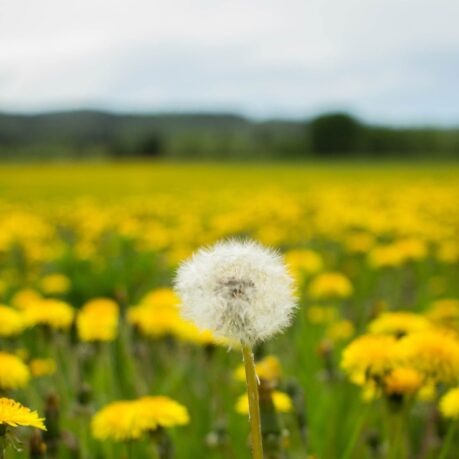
239, 290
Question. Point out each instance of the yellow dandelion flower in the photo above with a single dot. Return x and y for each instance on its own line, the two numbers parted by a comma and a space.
397, 253
433, 353
398, 323
412, 249
14, 373
330, 285
359, 242
13, 414
189, 332
402, 380
340, 330
445, 312
161, 297
449, 404
281, 401
370, 357
42, 367
11, 322
303, 262
321, 314
130, 419
385, 256
154, 322
25, 297
268, 369
157, 315
53, 284
97, 320
52, 313
120, 421
164, 411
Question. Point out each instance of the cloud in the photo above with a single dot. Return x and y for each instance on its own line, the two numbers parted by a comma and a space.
392, 61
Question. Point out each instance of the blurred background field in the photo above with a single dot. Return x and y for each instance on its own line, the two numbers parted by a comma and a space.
118, 231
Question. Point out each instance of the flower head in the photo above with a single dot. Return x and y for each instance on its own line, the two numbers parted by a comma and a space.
434, 354
157, 315
98, 320
239, 290
399, 323
402, 380
11, 321
130, 419
13, 372
25, 297
281, 401
302, 262
449, 404
13, 414
268, 369
330, 285
119, 421
53, 284
42, 367
52, 313
370, 358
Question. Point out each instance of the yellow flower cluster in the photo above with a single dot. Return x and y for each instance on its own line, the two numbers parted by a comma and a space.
397, 253
403, 354
130, 419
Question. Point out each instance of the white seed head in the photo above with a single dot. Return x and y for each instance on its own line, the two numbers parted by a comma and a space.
239, 290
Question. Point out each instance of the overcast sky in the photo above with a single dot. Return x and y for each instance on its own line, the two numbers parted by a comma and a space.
391, 61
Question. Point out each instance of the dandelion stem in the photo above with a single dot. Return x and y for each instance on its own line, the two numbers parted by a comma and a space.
2, 445
355, 435
254, 405
448, 440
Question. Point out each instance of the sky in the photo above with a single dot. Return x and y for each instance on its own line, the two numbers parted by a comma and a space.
387, 61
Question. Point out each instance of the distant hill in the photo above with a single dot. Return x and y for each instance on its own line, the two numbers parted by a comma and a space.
218, 136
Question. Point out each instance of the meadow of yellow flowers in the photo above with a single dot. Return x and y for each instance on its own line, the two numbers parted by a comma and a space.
96, 361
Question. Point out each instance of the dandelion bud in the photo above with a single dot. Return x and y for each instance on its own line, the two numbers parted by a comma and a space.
239, 290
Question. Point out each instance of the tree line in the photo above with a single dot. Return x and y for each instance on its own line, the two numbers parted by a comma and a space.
92, 134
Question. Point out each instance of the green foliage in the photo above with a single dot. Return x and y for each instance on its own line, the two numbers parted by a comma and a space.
337, 133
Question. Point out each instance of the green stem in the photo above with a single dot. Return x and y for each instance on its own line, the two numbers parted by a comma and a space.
449, 439
254, 404
355, 435
394, 437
